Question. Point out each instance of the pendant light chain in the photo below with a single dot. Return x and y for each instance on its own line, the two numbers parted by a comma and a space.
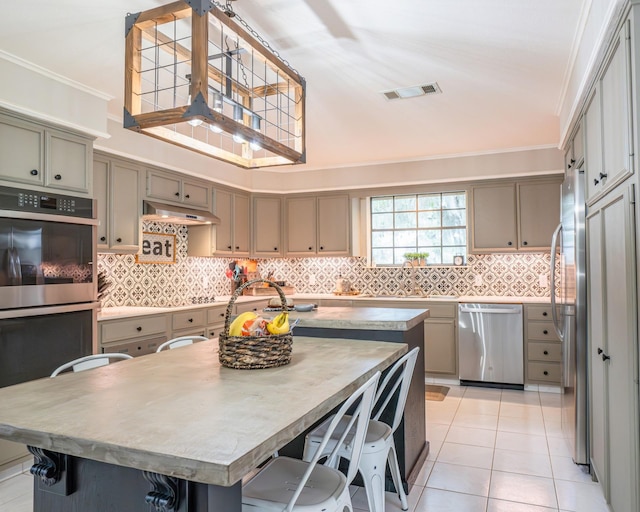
228, 10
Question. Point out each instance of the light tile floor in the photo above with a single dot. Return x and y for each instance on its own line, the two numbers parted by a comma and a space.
497, 450
491, 451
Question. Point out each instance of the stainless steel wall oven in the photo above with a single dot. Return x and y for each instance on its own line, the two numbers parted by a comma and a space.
48, 289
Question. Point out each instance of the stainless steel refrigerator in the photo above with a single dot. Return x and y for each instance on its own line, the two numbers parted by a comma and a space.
571, 320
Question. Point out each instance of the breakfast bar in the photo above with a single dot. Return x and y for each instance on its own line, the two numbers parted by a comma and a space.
176, 429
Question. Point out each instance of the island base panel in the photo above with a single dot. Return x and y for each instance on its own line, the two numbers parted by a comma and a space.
101, 487
410, 437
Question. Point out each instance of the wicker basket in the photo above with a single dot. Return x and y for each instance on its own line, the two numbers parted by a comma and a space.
253, 352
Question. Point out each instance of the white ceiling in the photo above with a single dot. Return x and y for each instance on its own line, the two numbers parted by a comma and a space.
502, 66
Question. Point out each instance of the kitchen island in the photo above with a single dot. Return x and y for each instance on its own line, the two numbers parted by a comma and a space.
399, 325
176, 428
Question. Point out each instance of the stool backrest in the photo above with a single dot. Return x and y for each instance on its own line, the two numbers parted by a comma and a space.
359, 418
398, 377
88, 362
180, 342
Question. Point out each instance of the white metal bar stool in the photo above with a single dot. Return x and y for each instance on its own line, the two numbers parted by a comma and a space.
182, 341
379, 447
88, 362
292, 485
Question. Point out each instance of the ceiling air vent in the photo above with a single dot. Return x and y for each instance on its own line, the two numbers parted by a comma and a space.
412, 92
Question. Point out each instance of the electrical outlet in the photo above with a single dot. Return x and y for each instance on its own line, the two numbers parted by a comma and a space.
543, 281
312, 279
477, 281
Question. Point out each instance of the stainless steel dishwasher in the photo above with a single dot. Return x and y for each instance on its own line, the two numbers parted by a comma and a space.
490, 346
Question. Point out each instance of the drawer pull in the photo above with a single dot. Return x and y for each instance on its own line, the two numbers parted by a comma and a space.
57, 177
138, 328
34, 172
546, 372
191, 320
544, 313
545, 332
546, 352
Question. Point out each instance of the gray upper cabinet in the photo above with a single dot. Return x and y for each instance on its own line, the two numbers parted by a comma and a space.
178, 189
301, 226
538, 214
608, 129
514, 217
117, 192
68, 161
318, 226
37, 155
494, 219
231, 236
267, 226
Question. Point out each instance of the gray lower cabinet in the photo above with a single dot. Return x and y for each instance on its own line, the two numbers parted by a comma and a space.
613, 346
440, 332
543, 349
440, 340
136, 336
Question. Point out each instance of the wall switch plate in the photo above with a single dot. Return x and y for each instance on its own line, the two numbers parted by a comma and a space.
477, 281
312, 279
543, 281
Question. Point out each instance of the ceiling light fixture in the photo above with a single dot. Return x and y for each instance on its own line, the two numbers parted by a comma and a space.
200, 77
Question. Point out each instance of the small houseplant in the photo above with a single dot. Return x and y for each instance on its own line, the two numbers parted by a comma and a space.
417, 259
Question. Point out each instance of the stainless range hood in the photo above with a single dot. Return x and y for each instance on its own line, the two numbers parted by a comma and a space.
159, 212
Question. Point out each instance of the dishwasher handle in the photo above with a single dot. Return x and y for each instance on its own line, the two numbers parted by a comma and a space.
491, 311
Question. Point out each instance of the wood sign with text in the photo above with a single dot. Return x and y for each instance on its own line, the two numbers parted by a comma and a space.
157, 248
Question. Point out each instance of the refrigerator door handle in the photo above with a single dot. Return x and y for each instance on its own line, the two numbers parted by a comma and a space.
554, 312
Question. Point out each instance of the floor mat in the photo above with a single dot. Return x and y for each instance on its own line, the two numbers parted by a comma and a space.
435, 393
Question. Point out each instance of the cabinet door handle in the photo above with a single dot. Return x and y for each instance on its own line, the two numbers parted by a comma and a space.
546, 372
237, 247
509, 243
595, 181
322, 247
34, 172
605, 357
119, 240
187, 196
603, 175
275, 248
103, 238
229, 247
544, 313
191, 320
545, 332
57, 177
525, 243
600, 350
546, 352
177, 194
311, 248
138, 328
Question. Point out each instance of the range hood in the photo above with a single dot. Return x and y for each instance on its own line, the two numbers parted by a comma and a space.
159, 212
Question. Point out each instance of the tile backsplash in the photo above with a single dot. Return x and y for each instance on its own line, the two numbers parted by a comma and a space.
196, 280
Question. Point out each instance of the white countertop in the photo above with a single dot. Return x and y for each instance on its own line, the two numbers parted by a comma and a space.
132, 311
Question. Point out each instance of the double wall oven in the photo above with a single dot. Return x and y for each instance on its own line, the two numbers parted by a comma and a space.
48, 289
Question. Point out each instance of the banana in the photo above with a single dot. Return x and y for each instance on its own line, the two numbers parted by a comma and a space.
280, 324
235, 329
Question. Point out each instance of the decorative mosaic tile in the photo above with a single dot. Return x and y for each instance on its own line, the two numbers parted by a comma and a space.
190, 280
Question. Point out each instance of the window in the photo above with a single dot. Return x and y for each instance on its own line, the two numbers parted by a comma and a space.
434, 223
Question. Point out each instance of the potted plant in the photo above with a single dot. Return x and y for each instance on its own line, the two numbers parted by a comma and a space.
417, 259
